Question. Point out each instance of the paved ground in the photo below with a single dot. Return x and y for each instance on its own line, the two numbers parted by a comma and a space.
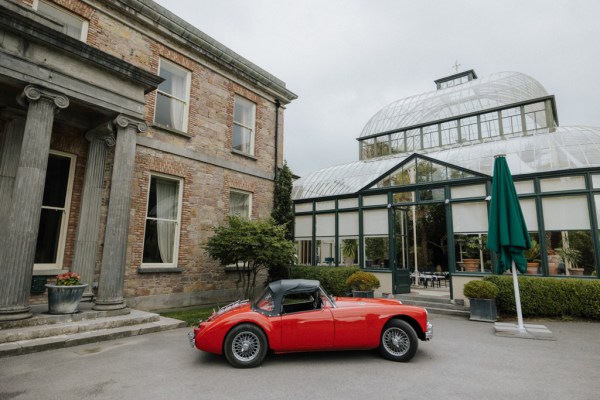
465, 360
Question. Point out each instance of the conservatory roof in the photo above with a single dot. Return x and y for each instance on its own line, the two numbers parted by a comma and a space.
566, 148
496, 90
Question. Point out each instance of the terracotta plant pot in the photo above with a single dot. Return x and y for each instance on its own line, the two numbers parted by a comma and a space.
471, 264
532, 268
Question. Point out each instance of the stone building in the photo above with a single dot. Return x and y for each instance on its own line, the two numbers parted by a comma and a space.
126, 135
416, 202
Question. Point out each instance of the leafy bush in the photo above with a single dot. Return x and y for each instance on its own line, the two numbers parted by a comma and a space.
333, 279
480, 290
549, 297
362, 281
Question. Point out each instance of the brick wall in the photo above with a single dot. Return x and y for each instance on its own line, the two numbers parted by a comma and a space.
206, 187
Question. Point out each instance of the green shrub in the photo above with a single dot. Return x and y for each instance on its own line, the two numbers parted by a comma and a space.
362, 281
549, 297
333, 279
480, 290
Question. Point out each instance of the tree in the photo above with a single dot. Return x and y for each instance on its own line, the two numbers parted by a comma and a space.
283, 211
252, 246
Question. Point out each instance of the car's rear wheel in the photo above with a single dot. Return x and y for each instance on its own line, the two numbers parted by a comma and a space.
245, 346
399, 341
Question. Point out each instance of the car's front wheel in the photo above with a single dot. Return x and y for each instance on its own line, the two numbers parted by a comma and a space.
399, 341
245, 346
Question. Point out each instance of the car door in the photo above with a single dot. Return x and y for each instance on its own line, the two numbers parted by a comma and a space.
308, 329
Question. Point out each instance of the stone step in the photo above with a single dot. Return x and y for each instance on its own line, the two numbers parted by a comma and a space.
26, 346
427, 299
70, 326
435, 305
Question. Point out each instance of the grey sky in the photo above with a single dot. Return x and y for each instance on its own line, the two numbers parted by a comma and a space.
347, 59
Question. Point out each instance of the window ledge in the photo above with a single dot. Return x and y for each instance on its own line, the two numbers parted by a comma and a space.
234, 268
159, 270
246, 155
171, 130
49, 272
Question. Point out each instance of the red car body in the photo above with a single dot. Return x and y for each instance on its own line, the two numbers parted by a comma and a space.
340, 323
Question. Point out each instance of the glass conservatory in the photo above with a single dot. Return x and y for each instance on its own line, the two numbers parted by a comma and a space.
417, 199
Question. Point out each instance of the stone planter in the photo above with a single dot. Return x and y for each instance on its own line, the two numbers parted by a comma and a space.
64, 299
483, 310
576, 271
363, 293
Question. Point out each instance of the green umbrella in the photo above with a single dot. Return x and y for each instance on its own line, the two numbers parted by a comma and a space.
507, 233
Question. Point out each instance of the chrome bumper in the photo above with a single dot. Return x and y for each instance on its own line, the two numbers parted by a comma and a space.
191, 338
429, 333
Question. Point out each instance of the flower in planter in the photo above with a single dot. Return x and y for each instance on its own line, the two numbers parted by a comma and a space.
68, 279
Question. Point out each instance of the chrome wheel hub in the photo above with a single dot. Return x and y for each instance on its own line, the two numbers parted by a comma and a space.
245, 346
396, 341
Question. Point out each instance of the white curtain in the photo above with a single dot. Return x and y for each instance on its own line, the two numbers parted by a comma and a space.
166, 213
238, 204
177, 107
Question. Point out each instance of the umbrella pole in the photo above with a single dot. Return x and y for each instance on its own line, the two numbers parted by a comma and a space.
520, 326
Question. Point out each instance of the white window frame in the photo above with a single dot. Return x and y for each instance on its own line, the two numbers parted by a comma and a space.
64, 17
62, 236
164, 63
242, 192
252, 129
177, 222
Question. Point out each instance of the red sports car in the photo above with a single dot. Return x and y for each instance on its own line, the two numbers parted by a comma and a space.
298, 315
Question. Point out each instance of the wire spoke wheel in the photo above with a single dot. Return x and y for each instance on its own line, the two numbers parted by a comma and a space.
396, 341
399, 341
245, 346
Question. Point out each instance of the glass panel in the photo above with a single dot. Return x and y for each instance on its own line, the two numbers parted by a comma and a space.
596, 181
325, 205
529, 213
242, 139
397, 143
404, 197
376, 252
46, 250
348, 223
468, 129
244, 114
570, 252
524, 187
303, 226
160, 235
431, 194
169, 112
489, 125
472, 254
304, 252
470, 217
462, 192
431, 137
374, 200
302, 207
72, 25
349, 251
325, 225
375, 222
555, 217
511, 120
449, 132
563, 183
347, 203
326, 251
157, 234
57, 181
535, 117
413, 140
239, 204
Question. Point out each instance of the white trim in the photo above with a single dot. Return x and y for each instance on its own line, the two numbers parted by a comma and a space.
166, 266
62, 236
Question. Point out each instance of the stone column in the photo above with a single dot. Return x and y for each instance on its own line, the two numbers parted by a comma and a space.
10, 148
19, 235
86, 244
112, 273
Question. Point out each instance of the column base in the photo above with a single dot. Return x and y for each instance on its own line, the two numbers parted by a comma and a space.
109, 305
15, 314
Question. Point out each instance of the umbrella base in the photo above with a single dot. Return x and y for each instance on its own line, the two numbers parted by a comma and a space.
509, 329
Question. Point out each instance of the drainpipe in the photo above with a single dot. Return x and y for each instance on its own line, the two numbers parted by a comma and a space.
277, 105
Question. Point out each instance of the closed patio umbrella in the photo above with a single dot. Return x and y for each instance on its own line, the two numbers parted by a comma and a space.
507, 232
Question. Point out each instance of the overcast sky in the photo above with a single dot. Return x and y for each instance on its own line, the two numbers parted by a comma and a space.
347, 59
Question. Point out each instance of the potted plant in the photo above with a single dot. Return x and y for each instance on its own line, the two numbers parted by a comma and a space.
571, 257
553, 261
65, 295
349, 250
482, 299
363, 284
533, 258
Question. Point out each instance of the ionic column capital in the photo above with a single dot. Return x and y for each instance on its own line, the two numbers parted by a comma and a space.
123, 121
104, 133
33, 93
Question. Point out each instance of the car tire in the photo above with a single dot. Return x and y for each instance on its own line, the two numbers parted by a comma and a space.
399, 341
245, 346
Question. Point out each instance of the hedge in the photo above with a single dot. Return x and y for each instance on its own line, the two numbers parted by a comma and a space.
549, 297
333, 279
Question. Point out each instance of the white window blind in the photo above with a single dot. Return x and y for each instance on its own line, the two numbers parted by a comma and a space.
565, 213
303, 226
326, 225
348, 224
470, 217
375, 222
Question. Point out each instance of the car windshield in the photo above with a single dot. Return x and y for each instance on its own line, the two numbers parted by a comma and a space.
265, 301
326, 297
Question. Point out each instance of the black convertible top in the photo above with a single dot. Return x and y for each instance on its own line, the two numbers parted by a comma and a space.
287, 286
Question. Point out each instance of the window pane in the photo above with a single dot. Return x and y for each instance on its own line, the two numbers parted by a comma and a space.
242, 139
48, 236
326, 225
163, 199
470, 217
555, 217
562, 183
169, 112
304, 252
159, 241
172, 96
243, 112
239, 204
57, 180
376, 252
71, 24
462, 192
